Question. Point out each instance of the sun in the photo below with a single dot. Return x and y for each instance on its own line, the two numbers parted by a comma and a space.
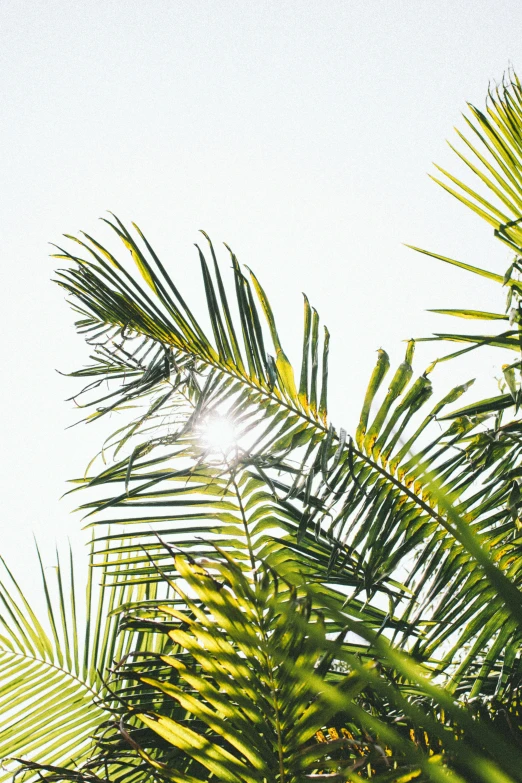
218, 435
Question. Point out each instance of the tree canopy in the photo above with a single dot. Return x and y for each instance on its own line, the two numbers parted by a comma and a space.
271, 597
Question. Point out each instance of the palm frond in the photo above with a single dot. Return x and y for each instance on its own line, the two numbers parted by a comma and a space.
113, 301
52, 672
479, 738
231, 700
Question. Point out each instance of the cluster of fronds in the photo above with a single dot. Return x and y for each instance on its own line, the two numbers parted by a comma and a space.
294, 604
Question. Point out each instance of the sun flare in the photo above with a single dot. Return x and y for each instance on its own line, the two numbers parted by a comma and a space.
218, 434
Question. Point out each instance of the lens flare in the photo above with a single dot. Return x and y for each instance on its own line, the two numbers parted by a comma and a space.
218, 434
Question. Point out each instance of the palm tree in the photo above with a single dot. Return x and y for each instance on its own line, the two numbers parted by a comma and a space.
401, 542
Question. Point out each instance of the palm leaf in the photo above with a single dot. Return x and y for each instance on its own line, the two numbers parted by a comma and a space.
52, 672
233, 696
480, 739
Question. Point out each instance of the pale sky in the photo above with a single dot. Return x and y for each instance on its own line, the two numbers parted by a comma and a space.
299, 132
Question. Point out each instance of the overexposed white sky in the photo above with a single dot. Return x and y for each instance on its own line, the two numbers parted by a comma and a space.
299, 132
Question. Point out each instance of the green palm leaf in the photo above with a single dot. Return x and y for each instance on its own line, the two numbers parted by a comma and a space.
52, 672
480, 739
493, 155
237, 678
